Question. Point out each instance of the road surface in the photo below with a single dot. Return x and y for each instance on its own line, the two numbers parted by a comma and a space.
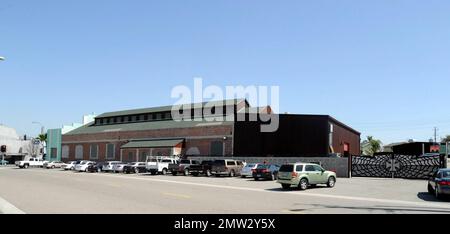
46, 191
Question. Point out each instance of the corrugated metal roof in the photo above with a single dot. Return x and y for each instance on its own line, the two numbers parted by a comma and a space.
168, 108
152, 144
166, 124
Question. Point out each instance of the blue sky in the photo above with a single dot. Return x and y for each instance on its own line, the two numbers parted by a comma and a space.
382, 67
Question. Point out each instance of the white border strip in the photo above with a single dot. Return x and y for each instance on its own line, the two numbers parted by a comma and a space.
8, 208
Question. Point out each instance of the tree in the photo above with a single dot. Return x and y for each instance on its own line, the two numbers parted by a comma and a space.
371, 146
446, 139
42, 137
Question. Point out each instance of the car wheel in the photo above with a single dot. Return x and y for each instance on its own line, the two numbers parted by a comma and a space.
274, 177
303, 185
136, 170
99, 170
285, 186
186, 172
86, 170
26, 166
164, 171
53, 167
437, 194
331, 182
208, 173
232, 174
430, 189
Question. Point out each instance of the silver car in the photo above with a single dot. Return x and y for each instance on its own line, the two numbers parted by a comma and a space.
439, 184
247, 170
109, 166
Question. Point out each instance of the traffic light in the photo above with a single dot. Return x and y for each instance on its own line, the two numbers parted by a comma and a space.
3, 149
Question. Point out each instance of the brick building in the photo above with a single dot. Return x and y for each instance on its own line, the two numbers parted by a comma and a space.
135, 134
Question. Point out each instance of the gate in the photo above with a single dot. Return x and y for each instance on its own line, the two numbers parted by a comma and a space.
396, 166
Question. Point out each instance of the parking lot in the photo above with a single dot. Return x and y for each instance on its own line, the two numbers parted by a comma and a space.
37, 190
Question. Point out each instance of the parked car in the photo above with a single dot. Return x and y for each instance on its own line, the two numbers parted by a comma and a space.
32, 162
109, 166
70, 165
4, 162
83, 166
303, 175
266, 171
99, 166
118, 168
439, 184
247, 170
182, 167
202, 169
135, 167
54, 164
93, 168
227, 167
160, 164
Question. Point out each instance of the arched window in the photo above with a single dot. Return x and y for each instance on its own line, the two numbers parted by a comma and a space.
65, 151
79, 152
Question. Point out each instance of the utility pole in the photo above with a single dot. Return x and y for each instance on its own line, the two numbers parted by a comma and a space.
435, 135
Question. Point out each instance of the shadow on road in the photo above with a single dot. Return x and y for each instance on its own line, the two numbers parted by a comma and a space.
430, 198
389, 209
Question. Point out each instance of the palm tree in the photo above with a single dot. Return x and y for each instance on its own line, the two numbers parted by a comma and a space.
42, 137
371, 146
446, 139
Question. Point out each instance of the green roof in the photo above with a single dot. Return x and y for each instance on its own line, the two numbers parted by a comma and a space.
154, 125
167, 108
152, 144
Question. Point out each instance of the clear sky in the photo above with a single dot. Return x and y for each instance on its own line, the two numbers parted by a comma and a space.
382, 67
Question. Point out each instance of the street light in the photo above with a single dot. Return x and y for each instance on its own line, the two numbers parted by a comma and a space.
42, 127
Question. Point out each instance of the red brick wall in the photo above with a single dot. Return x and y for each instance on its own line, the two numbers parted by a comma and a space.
121, 138
341, 136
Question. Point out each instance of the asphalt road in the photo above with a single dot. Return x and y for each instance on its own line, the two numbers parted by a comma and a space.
54, 191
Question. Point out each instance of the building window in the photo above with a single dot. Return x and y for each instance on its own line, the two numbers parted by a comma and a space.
79, 152
110, 151
101, 121
53, 153
65, 151
158, 116
130, 156
216, 148
138, 117
145, 117
93, 152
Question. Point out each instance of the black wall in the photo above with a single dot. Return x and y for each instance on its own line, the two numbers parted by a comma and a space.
298, 135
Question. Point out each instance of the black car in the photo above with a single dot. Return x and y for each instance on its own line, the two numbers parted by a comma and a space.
202, 169
92, 168
99, 166
439, 184
266, 171
136, 167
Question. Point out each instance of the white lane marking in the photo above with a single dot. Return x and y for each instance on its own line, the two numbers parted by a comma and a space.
297, 193
8, 208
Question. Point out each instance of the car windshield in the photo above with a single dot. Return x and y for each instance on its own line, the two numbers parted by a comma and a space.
262, 166
250, 165
287, 168
185, 162
219, 163
83, 163
166, 161
446, 174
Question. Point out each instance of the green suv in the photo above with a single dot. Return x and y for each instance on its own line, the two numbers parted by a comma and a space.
303, 175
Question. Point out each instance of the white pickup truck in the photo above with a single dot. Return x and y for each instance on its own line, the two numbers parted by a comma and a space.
160, 164
32, 162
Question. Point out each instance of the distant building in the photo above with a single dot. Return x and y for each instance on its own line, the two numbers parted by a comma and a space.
416, 148
132, 135
17, 147
54, 137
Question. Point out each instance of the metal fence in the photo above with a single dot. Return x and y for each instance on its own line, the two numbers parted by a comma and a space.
397, 166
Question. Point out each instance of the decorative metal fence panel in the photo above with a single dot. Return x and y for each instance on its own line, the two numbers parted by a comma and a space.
396, 166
